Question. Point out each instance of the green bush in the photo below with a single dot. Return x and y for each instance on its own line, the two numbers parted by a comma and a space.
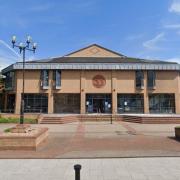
16, 120
7, 130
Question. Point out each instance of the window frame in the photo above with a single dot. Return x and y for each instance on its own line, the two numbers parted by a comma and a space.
151, 80
44, 80
139, 76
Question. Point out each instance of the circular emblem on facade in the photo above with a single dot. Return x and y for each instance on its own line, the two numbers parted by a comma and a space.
98, 81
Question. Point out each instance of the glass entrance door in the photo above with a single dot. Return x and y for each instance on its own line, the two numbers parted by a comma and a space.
98, 103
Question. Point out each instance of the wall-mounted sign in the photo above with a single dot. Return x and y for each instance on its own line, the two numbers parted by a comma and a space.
99, 81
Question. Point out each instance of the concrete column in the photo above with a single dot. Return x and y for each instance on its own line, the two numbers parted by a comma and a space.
50, 103
50, 94
83, 94
146, 98
114, 92
17, 103
177, 94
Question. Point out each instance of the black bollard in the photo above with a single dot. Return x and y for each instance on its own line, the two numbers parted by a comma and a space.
77, 169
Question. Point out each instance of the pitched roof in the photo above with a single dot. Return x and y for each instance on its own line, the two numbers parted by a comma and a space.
119, 58
110, 60
96, 47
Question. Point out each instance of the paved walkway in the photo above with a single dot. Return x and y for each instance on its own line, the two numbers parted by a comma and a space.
92, 169
102, 139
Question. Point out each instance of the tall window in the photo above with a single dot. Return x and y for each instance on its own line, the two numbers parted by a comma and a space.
139, 79
162, 103
10, 103
66, 103
130, 103
45, 79
57, 79
35, 103
151, 79
9, 81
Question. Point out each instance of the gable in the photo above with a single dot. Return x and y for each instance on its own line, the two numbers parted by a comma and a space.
94, 51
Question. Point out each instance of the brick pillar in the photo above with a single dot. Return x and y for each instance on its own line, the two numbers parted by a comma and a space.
17, 103
114, 92
50, 94
146, 98
83, 94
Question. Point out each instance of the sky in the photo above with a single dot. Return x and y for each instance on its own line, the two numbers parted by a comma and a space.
147, 29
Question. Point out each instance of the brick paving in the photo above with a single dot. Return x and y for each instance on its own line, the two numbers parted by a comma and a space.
102, 139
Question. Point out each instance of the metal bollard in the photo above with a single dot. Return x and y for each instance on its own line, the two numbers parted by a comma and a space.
77, 169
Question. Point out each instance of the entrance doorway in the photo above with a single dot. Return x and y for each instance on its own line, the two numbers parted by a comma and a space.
98, 103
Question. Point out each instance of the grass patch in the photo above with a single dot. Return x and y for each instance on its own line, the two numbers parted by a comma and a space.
16, 120
7, 130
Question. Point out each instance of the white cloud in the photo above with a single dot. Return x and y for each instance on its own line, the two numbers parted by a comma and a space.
172, 26
42, 7
134, 37
152, 44
175, 7
7, 55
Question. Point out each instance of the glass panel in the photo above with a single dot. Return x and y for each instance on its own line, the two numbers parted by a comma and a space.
1, 102
98, 103
139, 79
151, 78
130, 103
10, 103
162, 103
35, 103
58, 78
45, 78
9, 81
67, 103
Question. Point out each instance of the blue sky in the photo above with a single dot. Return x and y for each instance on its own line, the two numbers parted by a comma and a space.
136, 28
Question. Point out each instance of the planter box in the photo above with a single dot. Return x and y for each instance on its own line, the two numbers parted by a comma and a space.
23, 141
177, 132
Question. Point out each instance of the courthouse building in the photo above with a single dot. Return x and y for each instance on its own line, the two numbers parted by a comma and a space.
94, 80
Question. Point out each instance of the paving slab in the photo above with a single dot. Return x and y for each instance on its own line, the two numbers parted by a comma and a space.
96, 169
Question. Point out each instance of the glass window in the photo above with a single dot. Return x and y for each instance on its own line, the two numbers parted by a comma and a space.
1, 102
98, 103
151, 79
57, 78
162, 103
35, 103
130, 103
10, 103
9, 81
45, 78
139, 79
67, 103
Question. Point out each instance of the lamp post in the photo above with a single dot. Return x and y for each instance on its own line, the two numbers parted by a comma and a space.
23, 47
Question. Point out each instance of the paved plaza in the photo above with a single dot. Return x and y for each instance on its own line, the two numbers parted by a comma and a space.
92, 169
103, 140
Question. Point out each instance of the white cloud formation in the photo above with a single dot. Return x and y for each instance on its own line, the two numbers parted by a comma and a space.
172, 26
152, 44
134, 37
42, 7
175, 7
7, 55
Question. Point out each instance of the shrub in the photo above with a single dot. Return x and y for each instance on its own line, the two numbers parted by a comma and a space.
16, 120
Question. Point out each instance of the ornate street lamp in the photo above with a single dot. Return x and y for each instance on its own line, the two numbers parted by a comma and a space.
23, 47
